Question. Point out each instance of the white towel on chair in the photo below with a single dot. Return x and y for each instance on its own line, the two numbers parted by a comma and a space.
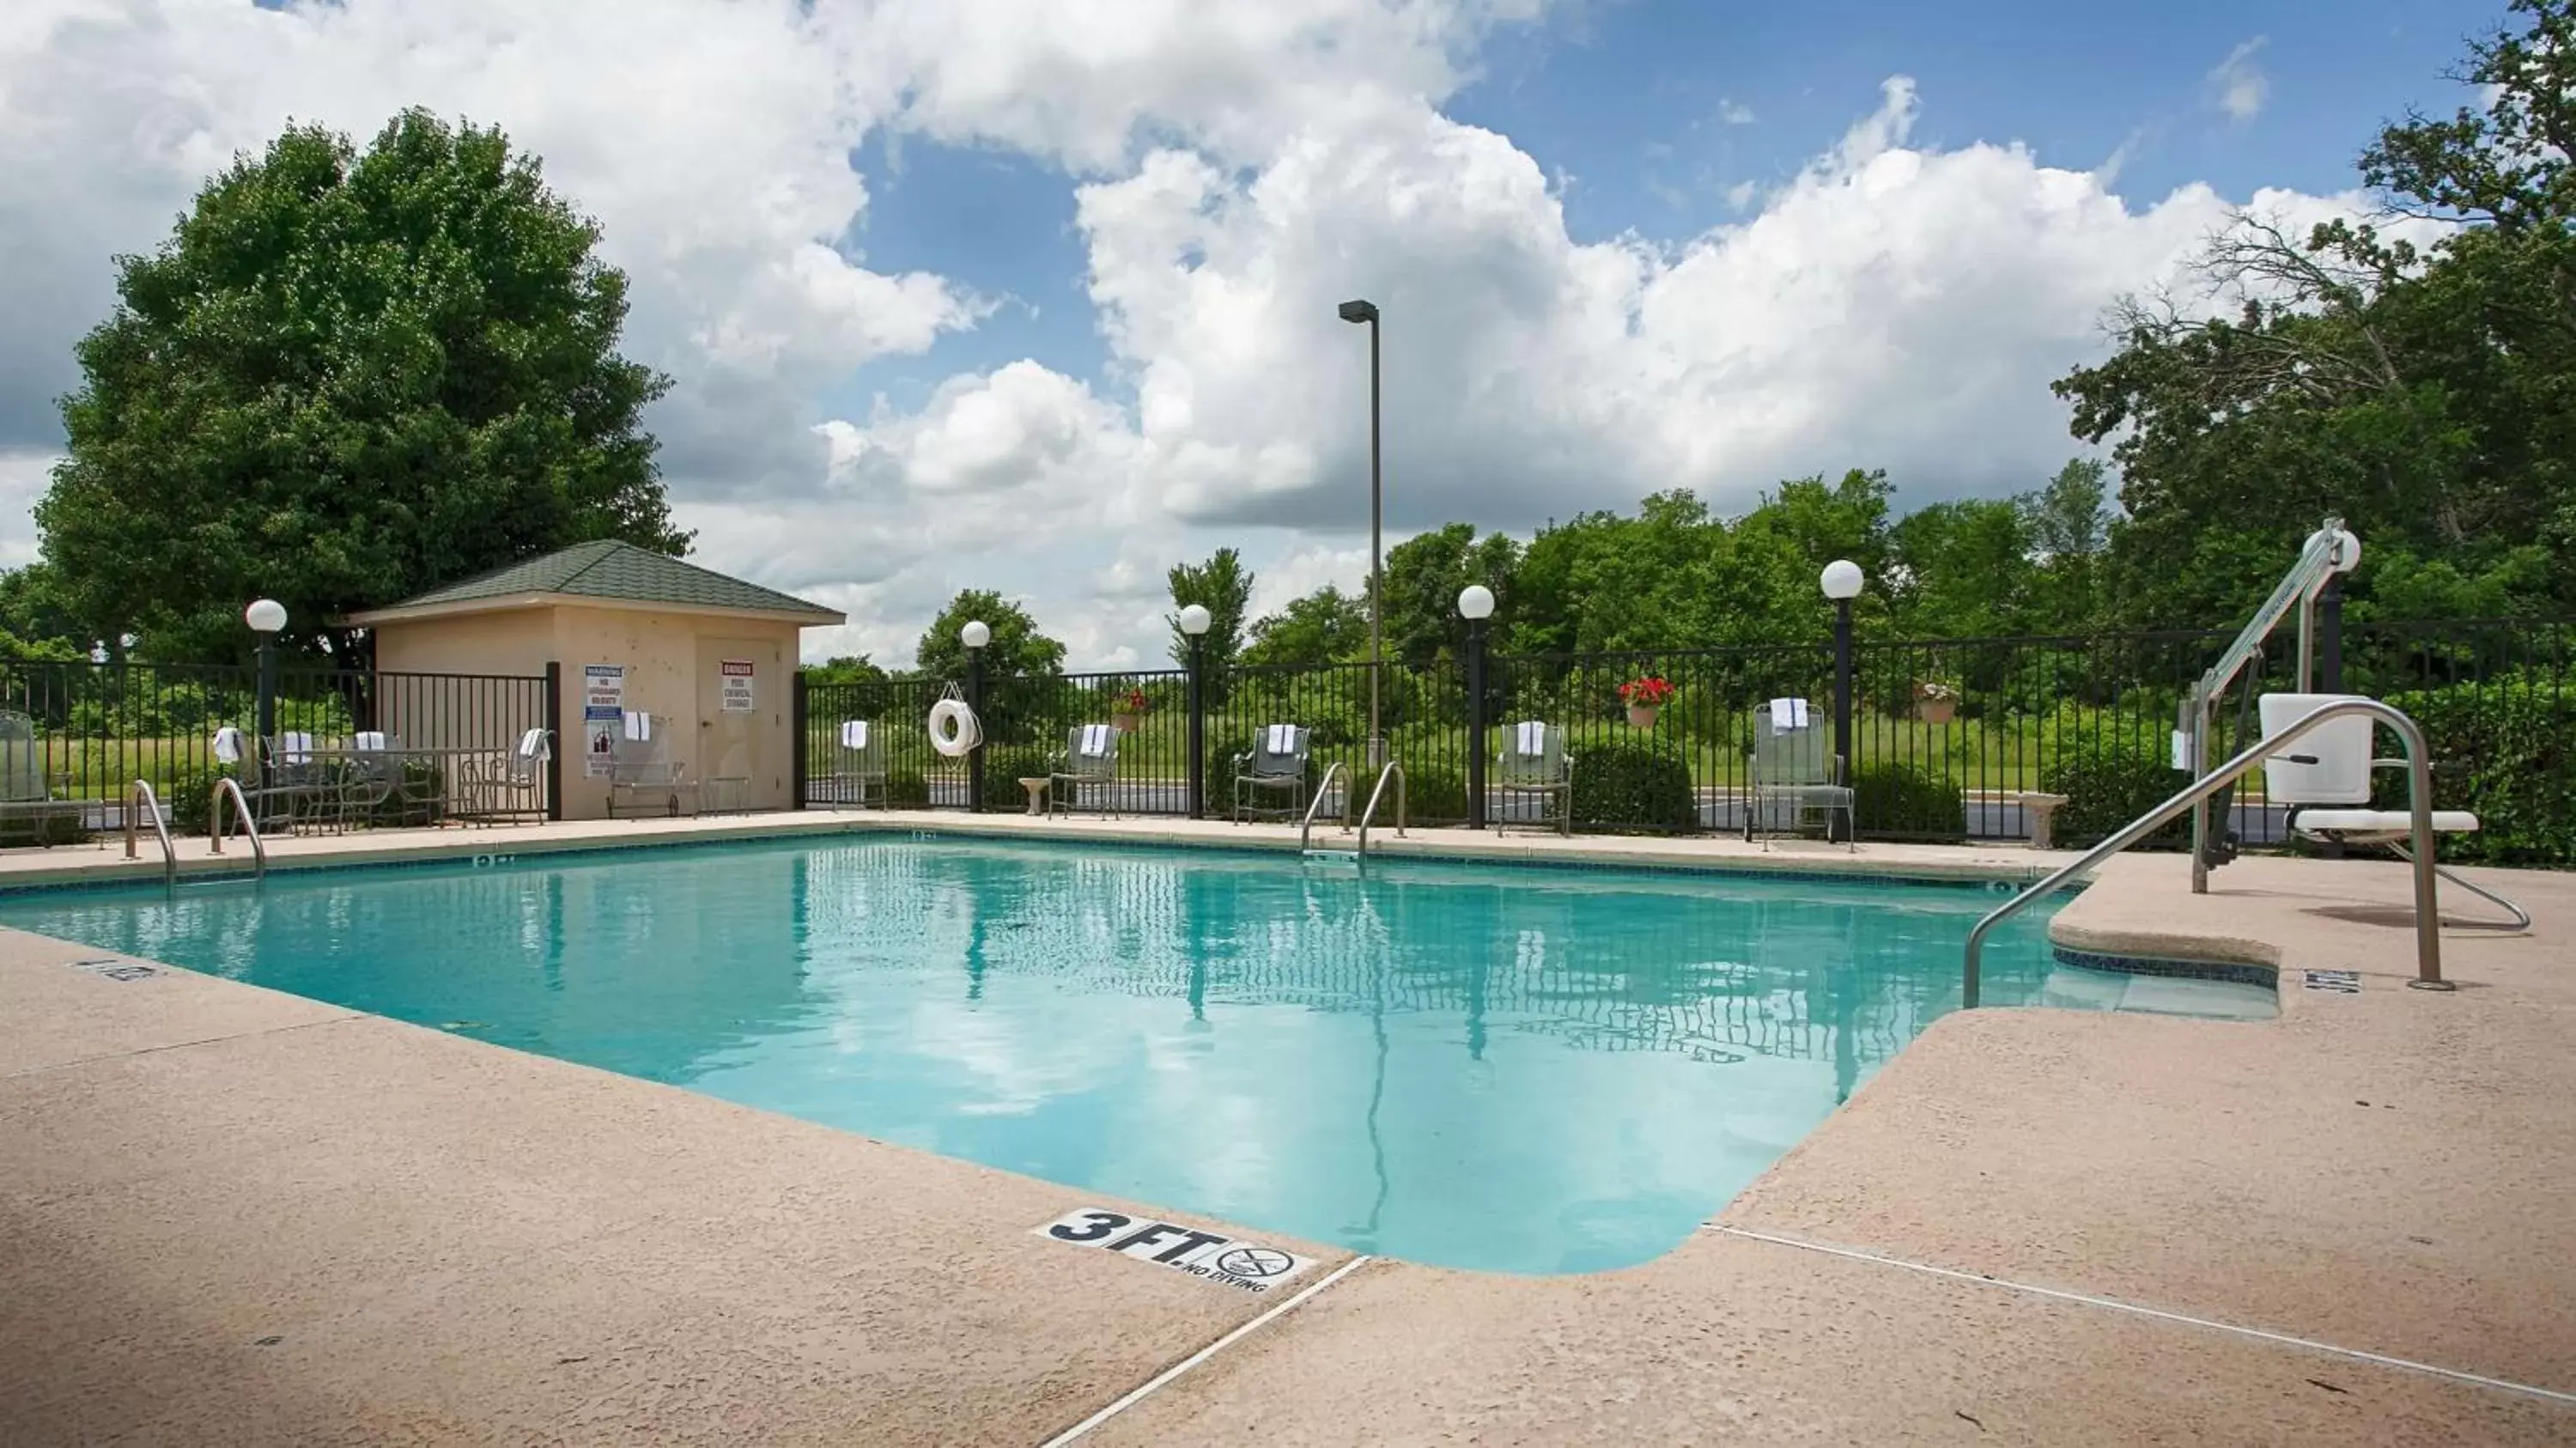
1529, 738
534, 745
639, 726
1283, 739
1095, 740
296, 747
854, 734
228, 745
1788, 714
371, 741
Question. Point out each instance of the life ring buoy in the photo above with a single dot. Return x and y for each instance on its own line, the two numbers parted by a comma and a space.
954, 729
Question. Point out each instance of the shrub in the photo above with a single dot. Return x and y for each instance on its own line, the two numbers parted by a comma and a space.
2110, 779
1908, 800
907, 789
1433, 794
1005, 768
1621, 784
64, 827
2505, 751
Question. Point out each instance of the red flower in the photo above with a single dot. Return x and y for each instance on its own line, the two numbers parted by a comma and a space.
1652, 691
1135, 701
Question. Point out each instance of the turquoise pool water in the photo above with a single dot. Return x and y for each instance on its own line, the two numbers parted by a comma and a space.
1512, 1068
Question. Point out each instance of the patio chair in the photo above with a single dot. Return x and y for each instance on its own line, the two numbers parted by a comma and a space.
1275, 766
27, 792
1794, 775
1533, 761
642, 780
1090, 757
855, 768
509, 786
2326, 784
303, 790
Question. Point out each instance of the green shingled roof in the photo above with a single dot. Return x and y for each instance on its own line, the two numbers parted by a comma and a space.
620, 571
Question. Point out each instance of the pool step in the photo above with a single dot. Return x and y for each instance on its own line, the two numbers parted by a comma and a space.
1338, 858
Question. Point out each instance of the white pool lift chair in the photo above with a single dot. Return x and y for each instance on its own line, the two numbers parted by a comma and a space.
2326, 784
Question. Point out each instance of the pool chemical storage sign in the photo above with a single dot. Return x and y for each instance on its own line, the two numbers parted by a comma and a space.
736, 698
603, 707
1209, 1256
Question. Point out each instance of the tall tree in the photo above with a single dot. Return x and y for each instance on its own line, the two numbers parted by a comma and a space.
1324, 627
1016, 648
343, 380
1424, 575
1222, 586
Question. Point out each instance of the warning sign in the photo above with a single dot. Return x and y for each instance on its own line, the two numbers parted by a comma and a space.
737, 686
1213, 1256
603, 704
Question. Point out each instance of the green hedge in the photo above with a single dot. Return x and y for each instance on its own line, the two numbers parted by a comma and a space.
2505, 748
1005, 768
1625, 785
1905, 799
1433, 794
2109, 780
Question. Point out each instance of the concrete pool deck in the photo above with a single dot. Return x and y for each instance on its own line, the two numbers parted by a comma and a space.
229, 1215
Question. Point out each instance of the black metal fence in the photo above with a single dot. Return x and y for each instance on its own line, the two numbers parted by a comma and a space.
92, 729
1950, 739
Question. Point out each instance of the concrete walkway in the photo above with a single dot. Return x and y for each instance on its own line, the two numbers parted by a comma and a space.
228, 1215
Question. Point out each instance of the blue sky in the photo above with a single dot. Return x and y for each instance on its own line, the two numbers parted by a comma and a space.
1622, 245
1650, 110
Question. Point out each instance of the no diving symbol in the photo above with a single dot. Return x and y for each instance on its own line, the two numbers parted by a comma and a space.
1254, 1262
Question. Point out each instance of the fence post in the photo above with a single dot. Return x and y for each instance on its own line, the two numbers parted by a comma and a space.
975, 756
1475, 723
554, 739
1198, 727
799, 744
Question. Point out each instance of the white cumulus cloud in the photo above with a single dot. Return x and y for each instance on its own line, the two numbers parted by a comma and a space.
2237, 86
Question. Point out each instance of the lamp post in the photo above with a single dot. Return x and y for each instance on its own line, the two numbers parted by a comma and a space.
1194, 627
266, 618
1475, 605
1365, 311
975, 635
1841, 582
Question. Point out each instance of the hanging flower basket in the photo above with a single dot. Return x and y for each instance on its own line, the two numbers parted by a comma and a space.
1645, 699
1935, 702
1129, 715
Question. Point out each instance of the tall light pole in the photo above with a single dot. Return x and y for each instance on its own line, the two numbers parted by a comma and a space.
1194, 626
975, 635
266, 616
1364, 311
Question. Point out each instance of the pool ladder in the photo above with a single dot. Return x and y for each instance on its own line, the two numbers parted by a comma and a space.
142, 798
1305, 831
227, 785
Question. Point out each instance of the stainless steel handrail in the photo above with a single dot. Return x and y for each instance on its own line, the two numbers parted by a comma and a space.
1395, 771
241, 810
2419, 807
1307, 828
141, 796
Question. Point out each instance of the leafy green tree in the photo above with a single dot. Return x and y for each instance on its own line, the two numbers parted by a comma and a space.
1017, 648
2069, 523
1222, 586
1425, 574
343, 380
1324, 627
2427, 396
33, 622
1963, 570
847, 669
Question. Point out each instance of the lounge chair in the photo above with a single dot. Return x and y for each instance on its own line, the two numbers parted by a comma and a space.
1794, 775
643, 781
1275, 766
27, 792
1533, 761
854, 768
2325, 781
1090, 757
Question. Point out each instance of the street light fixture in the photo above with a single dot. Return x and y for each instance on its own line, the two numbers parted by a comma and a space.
267, 618
975, 635
1195, 620
1194, 626
1366, 311
1475, 605
1841, 582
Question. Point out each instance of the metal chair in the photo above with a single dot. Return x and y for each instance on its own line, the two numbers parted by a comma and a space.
1534, 761
640, 776
27, 791
1794, 774
1090, 757
1275, 765
510, 786
856, 768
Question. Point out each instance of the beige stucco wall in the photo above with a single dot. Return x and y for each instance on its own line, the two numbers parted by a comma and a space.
673, 662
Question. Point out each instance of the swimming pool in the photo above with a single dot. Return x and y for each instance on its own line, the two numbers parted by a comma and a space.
1501, 1067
